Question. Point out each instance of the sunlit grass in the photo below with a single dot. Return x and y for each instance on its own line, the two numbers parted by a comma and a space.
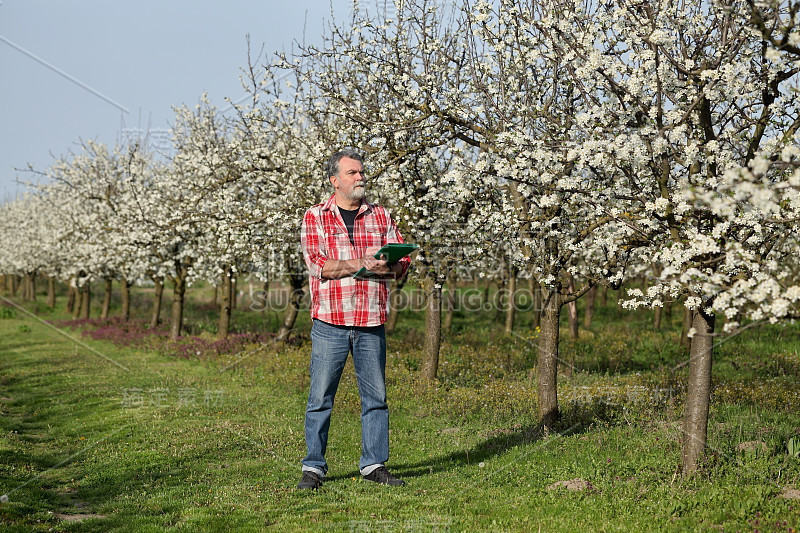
146, 439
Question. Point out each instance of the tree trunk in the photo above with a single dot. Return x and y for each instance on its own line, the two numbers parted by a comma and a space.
394, 305
499, 311
668, 312
51, 292
698, 394
125, 287
159, 291
547, 368
216, 299
225, 308
296, 281
235, 291
433, 327
658, 312
511, 304
71, 299
106, 298
263, 300
449, 304
604, 295
394, 309
86, 299
14, 285
78, 303
178, 294
29, 288
536, 292
572, 308
589, 312
688, 314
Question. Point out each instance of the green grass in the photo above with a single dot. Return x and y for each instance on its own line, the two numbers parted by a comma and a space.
146, 441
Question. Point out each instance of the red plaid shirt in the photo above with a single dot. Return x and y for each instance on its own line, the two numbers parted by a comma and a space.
347, 301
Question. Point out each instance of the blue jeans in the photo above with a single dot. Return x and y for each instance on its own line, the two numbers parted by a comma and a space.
330, 346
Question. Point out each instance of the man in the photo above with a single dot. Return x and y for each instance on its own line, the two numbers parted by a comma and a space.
339, 237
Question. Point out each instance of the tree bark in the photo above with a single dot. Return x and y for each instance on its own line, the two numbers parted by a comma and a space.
589, 311
264, 298
225, 307
547, 368
29, 288
14, 285
698, 394
86, 299
572, 308
78, 303
685, 341
107, 298
536, 292
51, 292
449, 304
511, 304
71, 299
433, 327
216, 299
296, 281
178, 294
604, 295
668, 312
125, 287
394, 309
657, 314
394, 305
155, 319
234, 291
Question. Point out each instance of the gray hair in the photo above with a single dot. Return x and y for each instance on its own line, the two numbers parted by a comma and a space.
332, 165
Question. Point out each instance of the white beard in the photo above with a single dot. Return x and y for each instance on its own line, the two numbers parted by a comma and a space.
356, 193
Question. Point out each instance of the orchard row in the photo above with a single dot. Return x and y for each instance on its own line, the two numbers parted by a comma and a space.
578, 143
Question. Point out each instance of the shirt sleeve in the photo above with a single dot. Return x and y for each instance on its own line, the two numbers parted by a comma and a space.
311, 236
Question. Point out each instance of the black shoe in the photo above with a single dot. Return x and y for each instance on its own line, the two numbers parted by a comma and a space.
311, 480
382, 476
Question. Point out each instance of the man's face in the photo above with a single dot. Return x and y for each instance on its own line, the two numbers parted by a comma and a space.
350, 182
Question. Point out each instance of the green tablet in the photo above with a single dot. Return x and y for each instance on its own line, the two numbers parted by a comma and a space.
394, 251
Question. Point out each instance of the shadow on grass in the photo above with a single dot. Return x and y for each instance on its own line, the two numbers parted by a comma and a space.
572, 422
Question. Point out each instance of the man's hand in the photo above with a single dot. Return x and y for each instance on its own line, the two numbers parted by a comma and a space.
380, 266
335, 269
376, 266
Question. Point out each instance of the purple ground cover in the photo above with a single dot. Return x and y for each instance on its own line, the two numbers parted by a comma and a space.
138, 333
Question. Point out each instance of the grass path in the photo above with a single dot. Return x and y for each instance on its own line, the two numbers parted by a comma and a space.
100, 438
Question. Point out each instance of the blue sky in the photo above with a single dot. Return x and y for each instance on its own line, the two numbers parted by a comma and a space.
135, 61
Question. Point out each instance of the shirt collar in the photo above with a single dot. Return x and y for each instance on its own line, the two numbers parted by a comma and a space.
329, 205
